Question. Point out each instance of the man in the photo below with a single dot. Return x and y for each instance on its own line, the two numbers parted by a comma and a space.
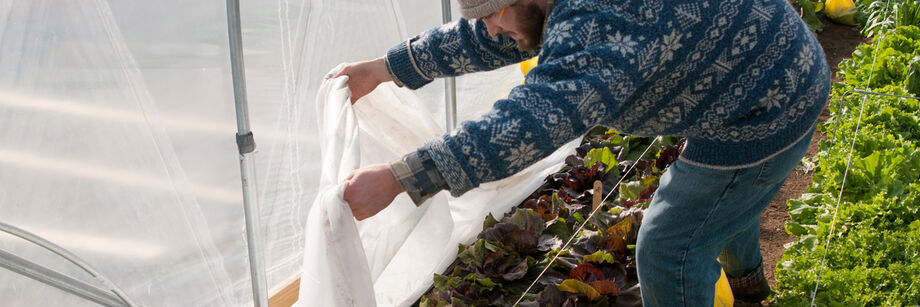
743, 81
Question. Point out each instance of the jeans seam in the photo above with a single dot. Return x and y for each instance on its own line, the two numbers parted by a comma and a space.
771, 163
759, 181
706, 220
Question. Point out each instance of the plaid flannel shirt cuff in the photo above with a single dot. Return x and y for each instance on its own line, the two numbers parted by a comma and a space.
750, 279
417, 174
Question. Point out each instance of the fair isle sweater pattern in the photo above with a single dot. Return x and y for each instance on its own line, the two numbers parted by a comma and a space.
742, 80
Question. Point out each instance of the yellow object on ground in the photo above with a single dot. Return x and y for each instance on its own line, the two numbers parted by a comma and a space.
841, 11
723, 295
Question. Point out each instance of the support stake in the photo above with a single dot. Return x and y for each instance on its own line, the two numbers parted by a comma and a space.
246, 145
450, 84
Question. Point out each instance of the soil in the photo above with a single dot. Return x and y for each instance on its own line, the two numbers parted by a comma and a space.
838, 42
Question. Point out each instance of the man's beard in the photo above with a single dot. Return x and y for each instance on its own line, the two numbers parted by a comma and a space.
531, 30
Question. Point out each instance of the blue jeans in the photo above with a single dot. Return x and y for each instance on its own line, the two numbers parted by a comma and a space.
699, 214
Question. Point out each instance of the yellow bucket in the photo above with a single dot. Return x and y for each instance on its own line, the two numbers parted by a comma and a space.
724, 297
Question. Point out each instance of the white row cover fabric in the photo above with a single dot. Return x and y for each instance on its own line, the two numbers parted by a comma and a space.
403, 245
331, 233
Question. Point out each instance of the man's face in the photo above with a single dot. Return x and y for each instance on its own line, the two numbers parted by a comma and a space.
522, 21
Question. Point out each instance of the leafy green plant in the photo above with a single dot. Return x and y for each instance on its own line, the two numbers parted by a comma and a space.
896, 51
810, 16
913, 77
879, 18
907, 14
885, 16
871, 260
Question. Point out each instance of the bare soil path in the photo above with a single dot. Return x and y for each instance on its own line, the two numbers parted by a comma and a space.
838, 42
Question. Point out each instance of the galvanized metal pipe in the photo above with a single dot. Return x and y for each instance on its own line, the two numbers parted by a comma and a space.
237, 67
58, 280
450, 84
246, 145
60, 251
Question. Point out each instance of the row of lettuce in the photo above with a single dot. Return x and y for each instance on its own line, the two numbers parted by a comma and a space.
571, 243
860, 246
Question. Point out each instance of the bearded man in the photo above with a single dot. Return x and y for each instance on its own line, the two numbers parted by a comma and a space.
742, 80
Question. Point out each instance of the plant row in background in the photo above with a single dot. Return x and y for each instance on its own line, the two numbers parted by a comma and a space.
598, 267
883, 16
875, 243
873, 16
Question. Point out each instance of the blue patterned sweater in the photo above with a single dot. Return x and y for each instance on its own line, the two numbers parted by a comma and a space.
742, 80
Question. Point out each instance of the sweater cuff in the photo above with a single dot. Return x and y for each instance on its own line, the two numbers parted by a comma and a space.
454, 173
416, 173
392, 76
403, 66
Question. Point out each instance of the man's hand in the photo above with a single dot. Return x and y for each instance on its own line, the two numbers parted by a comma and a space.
364, 77
370, 190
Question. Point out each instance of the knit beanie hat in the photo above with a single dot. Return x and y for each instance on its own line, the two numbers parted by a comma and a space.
471, 9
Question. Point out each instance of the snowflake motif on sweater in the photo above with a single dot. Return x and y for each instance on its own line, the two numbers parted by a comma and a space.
742, 80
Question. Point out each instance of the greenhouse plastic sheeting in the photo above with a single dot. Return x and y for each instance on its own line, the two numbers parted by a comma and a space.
117, 132
403, 245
